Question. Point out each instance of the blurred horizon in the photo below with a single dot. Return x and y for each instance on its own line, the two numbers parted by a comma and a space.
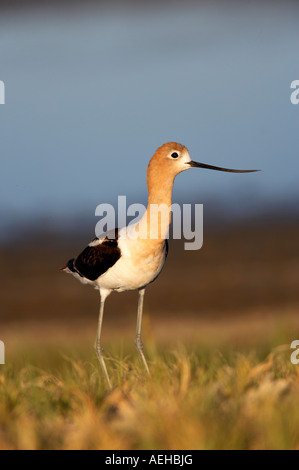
93, 91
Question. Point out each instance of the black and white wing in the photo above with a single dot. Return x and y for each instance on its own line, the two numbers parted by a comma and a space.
95, 260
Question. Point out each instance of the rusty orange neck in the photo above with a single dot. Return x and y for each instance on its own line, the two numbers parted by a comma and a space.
155, 222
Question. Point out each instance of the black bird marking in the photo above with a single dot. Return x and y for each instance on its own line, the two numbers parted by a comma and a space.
94, 261
166, 248
70, 265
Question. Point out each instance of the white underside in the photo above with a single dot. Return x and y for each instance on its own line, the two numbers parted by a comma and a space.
140, 264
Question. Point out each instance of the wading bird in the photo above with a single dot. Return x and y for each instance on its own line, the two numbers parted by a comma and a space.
133, 258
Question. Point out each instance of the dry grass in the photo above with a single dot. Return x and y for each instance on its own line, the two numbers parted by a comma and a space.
194, 400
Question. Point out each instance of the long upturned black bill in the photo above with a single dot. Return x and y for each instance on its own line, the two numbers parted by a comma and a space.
211, 167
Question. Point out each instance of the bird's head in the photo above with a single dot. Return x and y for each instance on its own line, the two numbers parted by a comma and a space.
172, 158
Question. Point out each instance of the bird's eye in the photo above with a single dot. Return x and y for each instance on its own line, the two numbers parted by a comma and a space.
174, 155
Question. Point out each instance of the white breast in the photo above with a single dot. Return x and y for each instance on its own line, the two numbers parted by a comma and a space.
140, 264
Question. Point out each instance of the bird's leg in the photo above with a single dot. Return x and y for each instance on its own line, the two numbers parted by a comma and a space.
98, 347
138, 341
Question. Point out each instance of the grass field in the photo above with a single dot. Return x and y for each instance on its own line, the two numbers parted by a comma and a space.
55, 398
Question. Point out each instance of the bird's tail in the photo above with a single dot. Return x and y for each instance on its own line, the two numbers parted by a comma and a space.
69, 266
